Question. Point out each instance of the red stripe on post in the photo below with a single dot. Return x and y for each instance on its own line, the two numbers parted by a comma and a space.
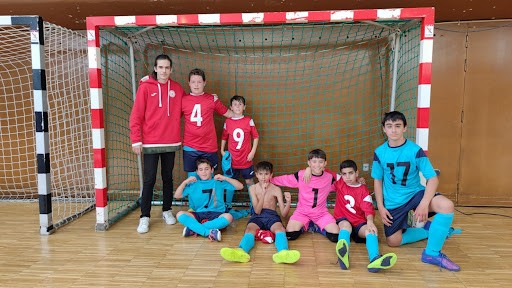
101, 197
188, 19
99, 158
423, 117
97, 119
231, 19
146, 20
361, 15
100, 21
274, 17
319, 16
425, 74
95, 77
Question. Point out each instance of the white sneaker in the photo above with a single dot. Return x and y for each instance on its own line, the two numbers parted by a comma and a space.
143, 225
168, 217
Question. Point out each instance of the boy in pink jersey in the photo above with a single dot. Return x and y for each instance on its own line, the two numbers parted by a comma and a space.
238, 132
200, 138
312, 203
354, 215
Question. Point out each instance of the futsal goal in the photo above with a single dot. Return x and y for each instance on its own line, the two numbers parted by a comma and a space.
45, 137
319, 79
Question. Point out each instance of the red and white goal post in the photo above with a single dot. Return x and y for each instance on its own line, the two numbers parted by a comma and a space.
362, 62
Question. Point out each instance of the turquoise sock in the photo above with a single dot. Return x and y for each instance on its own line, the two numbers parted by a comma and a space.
439, 228
372, 245
193, 225
281, 241
247, 242
412, 235
217, 223
345, 235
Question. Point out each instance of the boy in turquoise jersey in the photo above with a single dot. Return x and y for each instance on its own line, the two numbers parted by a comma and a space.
395, 170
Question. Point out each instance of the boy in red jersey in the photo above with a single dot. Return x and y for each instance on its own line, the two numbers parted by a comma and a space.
238, 132
354, 215
155, 130
200, 138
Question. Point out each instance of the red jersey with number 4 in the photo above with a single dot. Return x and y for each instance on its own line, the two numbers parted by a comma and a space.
199, 124
238, 132
352, 202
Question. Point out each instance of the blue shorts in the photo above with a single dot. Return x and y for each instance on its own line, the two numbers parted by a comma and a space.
265, 219
201, 216
399, 214
355, 230
247, 173
190, 158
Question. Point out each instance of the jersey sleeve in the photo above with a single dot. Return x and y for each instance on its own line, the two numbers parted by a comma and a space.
225, 133
137, 116
219, 107
377, 171
366, 202
424, 165
254, 131
286, 180
186, 191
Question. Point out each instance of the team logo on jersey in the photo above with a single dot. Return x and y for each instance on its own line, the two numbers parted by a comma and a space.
153, 94
172, 93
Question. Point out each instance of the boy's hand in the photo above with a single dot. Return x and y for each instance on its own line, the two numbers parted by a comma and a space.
222, 152
371, 228
250, 157
307, 175
288, 197
191, 179
421, 212
219, 177
361, 181
385, 216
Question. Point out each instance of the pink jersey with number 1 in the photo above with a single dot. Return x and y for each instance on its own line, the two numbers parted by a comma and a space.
312, 203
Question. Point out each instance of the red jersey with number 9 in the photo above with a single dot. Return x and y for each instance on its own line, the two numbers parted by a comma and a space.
238, 132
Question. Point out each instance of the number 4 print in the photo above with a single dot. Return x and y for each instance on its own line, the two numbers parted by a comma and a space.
196, 115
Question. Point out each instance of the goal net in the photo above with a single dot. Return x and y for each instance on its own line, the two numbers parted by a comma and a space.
63, 159
310, 79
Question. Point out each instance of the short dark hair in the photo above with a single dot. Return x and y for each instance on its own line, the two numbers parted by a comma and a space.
317, 153
237, 98
394, 116
202, 160
198, 72
348, 164
264, 166
160, 57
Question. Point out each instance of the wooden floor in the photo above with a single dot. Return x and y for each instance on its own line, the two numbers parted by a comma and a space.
77, 256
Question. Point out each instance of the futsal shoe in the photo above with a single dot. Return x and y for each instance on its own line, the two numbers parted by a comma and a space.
235, 255
286, 256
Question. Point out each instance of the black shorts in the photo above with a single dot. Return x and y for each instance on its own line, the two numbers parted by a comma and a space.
399, 214
206, 216
247, 173
265, 219
355, 230
190, 158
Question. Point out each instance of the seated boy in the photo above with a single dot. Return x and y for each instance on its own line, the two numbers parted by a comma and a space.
395, 170
312, 203
354, 214
206, 199
264, 196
